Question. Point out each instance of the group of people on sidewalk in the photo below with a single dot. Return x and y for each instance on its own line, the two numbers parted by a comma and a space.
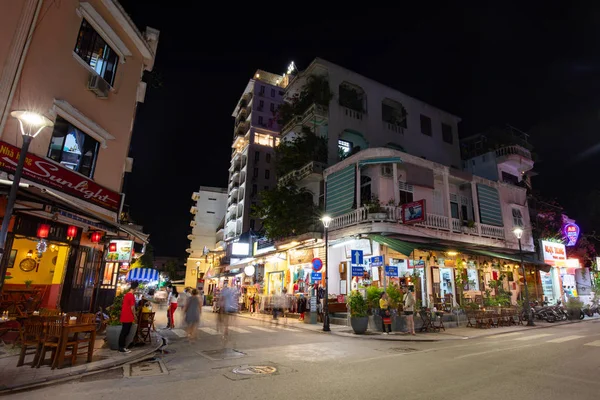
408, 302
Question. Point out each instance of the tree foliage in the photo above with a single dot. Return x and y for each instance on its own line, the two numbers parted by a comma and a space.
146, 260
286, 211
296, 153
315, 91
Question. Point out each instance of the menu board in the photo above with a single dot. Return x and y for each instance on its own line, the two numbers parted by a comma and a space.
547, 288
119, 251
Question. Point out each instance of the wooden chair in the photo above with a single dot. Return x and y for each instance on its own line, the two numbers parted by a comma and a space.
46, 312
31, 334
52, 338
86, 340
145, 324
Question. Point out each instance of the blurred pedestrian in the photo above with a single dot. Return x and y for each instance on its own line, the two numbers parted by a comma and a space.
127, 317
409, 309
384, 312
173, 305
192, 311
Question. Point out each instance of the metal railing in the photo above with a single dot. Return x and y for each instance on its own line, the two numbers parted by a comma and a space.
513, 150
299, 174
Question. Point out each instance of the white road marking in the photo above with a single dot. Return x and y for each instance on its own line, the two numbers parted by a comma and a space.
541, 335
595, 343
493, 351
210, 331
238, 330
288, 329
564, 339
260, 328
179, 332
503, 335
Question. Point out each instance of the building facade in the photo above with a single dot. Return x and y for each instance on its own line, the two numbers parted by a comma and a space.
80, 64
207, 234
252, 168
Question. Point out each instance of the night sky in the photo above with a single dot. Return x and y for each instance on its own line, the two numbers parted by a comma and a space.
534, 66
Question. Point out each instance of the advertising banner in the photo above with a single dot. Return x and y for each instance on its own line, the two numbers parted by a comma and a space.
119, 251
553, 253
413, 212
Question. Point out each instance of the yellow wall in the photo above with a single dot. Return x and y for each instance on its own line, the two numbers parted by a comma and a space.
47, 273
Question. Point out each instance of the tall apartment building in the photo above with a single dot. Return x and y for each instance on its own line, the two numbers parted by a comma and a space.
79, 64
255, 134
209, 212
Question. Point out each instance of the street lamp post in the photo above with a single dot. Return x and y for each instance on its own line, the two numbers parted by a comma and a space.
526, 307
31, 124
326, 221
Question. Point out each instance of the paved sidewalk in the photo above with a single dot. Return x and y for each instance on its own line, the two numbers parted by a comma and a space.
13, 378
462, 333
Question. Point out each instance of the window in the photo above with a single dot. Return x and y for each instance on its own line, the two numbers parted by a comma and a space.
277, 140
510, 178
447, 133
263, 140
272, 107
365, 189
268, 158
425, 125
256, 156
281, 92
262, 90
261, 121
406, 193
473, 162
210, 212
454, 210
96, 53
272, 92
267, 174
254, 190
210, 198
484, 158
517, 217
261, 104
255, 172
73, 148
344, 148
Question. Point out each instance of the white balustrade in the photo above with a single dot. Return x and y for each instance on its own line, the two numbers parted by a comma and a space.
496, 232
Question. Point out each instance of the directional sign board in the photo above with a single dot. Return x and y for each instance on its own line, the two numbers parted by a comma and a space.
357, 257
391, 271
316, 276
377, 261
358, 270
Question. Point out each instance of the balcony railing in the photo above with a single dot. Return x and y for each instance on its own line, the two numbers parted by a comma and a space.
315, 114
299, 174
350, 113
394, 127
432, 221
513, 150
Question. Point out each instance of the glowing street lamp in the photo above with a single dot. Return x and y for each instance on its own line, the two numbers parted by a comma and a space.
326, 220
526, 307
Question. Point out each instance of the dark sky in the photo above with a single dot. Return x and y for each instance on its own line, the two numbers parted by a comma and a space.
535, 66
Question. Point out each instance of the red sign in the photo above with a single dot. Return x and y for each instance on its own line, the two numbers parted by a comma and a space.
54, 176
413, 212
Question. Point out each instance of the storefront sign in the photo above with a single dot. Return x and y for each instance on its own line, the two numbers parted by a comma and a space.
119, 250
571, 232
240, 249
301, 256
413, 212
316, 276
55, 176
416, 264
553, 253
391, 271
358, 271
377, 261
362, 244
317, 264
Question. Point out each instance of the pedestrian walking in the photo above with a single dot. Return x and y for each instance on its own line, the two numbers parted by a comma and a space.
127, 317
192, 311
169, 292
253, 304
409, 309
384, 311
173, 305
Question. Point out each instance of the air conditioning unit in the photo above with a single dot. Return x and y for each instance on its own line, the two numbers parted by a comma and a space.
99, 86
387, 170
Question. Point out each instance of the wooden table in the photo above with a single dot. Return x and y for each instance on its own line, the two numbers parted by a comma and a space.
74, 329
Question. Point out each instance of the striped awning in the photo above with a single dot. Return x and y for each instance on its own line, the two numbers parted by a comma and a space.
142, 274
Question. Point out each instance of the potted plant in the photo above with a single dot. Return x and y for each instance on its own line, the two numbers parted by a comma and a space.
28, 283
373, 296
395, 301
374, 208
574, 306
113, 330
358, 312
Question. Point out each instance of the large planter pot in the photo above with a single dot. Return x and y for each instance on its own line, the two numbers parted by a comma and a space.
112, 336
398, 323
359, 324
574, 314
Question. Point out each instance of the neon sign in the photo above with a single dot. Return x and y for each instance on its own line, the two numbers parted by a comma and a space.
571, 232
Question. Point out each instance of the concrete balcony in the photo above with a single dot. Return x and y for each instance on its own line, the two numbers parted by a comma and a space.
515, 156
313, 169
195, 196
314, 115
433, 222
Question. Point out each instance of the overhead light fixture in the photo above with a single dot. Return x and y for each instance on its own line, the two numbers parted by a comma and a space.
452, 253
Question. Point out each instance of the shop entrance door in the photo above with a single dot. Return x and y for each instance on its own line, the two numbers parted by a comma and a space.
82, 275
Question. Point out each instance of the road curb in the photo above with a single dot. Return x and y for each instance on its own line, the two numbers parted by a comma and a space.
48, 381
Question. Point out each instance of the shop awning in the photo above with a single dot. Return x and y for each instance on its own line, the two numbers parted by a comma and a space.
527, 259
400, 246
142, 274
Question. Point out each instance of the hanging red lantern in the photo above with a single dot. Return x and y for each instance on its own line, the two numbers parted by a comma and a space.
96, 236
71, 231
112, 247
43, 231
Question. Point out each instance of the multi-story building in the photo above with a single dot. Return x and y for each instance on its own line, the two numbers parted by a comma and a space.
80, 64
207, 235
255, 134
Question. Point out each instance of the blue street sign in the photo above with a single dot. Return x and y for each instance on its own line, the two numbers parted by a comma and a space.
357, 257
316, 276
391, 271
358, 271
317, 264
377, 261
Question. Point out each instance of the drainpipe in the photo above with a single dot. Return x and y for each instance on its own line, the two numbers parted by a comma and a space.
17, 76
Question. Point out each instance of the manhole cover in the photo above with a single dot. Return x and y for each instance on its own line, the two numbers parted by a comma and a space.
147, 368
254, 370
222, 354
403, 349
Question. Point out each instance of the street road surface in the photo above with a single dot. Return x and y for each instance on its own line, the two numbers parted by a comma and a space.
557, 363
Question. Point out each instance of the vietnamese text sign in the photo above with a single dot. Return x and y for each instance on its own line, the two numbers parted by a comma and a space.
358, 271
377, 261
55, 176
391, 271
554, 253
316, 276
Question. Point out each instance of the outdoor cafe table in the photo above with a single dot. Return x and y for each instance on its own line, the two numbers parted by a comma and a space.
69, 329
